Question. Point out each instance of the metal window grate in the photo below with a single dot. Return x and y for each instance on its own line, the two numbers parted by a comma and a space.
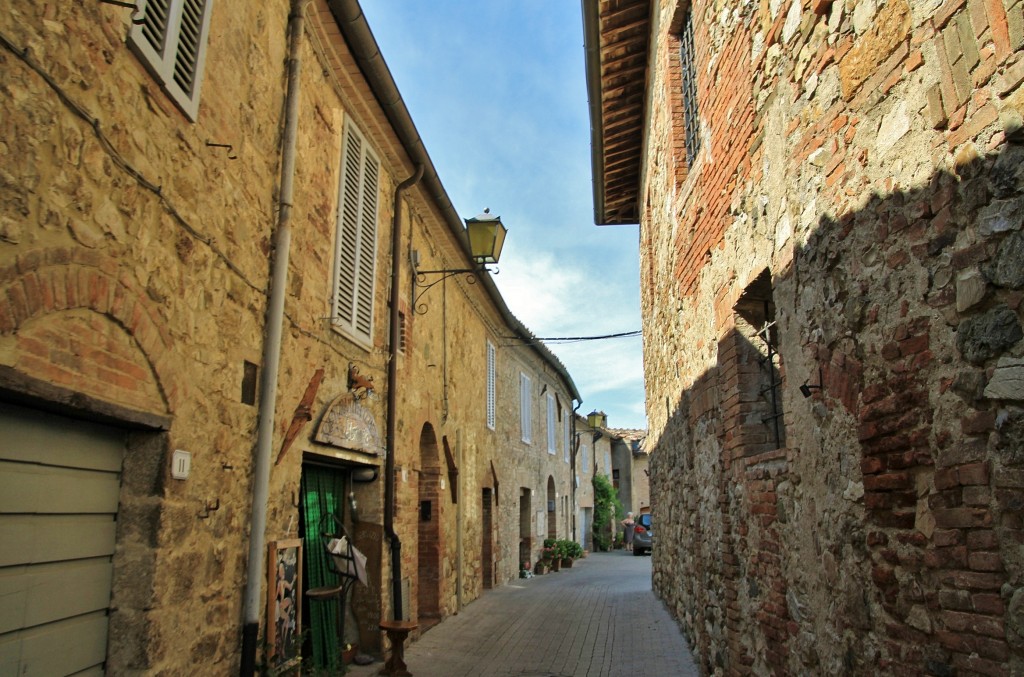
691, 117
774, 381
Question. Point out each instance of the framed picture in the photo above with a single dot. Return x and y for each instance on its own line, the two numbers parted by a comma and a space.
284, 599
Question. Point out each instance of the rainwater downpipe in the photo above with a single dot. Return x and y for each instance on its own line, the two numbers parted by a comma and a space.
458, 521
271, 356
389, 449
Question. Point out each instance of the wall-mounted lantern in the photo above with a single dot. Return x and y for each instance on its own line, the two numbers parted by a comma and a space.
486, 236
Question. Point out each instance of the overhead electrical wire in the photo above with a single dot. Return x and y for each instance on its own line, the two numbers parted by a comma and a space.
573, 339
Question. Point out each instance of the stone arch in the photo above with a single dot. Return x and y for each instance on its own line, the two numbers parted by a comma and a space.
57, 294
429, 541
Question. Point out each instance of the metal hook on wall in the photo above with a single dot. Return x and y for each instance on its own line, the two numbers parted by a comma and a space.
130, 5
231, 152
209, 508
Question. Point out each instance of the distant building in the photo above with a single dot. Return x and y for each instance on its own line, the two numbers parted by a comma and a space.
630, 468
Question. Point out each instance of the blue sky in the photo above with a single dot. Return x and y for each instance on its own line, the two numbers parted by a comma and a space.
497, 90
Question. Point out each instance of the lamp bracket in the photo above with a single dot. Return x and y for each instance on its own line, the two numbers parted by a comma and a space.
420, 281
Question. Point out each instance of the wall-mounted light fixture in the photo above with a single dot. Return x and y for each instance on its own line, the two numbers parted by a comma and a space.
486, 235
596, 420
806, 388
366, 474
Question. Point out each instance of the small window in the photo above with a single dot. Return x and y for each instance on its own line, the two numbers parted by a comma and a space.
356, 245
492, 378
585, 458
691, 115
525, 408
566, 437
403, 335
758, 343
552, 433
171, 41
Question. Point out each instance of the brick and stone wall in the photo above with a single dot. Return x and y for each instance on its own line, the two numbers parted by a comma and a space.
860, 185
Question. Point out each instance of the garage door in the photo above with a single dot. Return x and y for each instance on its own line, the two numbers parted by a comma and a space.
59, 484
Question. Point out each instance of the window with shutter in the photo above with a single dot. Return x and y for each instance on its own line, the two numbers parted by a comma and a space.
525, 408
491, 380
356, 239
551, 424
171, 41
566, 436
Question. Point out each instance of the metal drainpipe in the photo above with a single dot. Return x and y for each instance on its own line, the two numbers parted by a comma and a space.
389, 460
572, 468
271, 356
458, 520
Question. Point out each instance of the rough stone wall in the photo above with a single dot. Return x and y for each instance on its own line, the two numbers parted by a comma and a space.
123, 267
860, 180
134, 272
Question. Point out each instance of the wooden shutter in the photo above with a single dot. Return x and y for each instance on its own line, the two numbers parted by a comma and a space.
491, 379
356, 248
551, 424
171, 40
566, 437
525, 413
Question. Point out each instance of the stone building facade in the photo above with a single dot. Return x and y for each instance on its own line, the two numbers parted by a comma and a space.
830, 198
630, 469
212, 216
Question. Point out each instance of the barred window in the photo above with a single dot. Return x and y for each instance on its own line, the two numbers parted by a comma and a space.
691, 116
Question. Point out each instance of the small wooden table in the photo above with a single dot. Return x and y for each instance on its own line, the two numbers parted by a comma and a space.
397, 631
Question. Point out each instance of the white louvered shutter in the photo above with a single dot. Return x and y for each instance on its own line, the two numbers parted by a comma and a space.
492, 378
171, 40
356, 248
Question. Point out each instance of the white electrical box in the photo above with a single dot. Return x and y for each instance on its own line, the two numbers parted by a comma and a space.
181, 463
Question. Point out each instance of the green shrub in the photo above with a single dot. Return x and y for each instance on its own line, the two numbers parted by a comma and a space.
607, 508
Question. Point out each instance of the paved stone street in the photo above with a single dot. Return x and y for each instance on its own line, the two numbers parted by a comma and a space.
598, 618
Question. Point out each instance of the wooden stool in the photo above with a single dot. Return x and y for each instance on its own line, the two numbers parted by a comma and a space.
397, 631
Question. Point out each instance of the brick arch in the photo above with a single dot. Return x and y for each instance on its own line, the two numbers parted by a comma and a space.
429, 543
56, 294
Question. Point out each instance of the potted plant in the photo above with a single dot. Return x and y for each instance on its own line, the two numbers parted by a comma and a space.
551, 555
571, 550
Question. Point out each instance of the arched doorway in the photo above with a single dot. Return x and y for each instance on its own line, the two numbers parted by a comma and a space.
428, 544
487, 544
525, 530
552, 503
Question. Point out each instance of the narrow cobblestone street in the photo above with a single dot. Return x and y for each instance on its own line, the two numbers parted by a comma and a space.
598, 618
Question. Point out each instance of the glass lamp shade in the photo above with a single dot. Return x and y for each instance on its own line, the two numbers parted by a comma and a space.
595, 418
486, 237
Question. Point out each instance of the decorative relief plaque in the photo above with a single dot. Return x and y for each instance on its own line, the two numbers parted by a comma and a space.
346, 424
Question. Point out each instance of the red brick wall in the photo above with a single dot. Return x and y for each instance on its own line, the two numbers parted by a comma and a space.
868, 162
